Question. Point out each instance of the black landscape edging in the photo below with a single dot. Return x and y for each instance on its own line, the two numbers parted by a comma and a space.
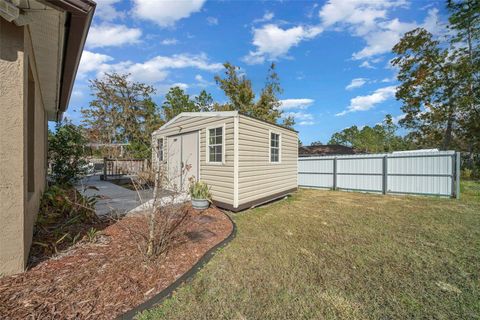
186, 277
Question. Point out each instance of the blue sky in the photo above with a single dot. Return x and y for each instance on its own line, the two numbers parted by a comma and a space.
332, 56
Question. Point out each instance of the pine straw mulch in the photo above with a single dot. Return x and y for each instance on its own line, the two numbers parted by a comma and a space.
104, 279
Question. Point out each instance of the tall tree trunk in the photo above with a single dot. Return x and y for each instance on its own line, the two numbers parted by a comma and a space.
447, 140
470, 155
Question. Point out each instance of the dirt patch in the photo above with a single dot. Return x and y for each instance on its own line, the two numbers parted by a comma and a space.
104, 279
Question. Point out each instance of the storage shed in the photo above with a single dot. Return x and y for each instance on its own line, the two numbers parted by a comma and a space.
245, 161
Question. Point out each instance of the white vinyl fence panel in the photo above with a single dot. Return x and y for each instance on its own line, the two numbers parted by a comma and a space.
428, 173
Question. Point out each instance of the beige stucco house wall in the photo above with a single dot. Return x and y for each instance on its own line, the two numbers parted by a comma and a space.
245, 176
36, 78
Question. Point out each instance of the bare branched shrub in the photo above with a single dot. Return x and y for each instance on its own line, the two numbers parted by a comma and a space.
166, 213
146, 178
164, 227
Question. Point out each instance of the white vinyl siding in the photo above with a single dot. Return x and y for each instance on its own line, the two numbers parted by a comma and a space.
258, 176
218, 177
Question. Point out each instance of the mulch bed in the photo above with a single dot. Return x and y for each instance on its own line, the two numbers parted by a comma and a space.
104, 279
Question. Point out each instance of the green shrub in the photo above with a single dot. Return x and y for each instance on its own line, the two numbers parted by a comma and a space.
59, 203
66, 153
63, 219
199, 190
467, 173
92, 234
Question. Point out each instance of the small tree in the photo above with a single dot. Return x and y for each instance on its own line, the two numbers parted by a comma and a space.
166, 213
65, 153
122, 111
178, 101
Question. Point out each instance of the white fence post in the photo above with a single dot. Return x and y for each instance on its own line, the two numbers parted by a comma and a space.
457, 173
385, 174
335, 173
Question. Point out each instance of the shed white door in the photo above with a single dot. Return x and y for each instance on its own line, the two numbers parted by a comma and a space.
182, 160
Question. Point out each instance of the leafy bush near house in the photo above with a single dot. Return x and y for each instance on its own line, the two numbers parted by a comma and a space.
65, 153
64, 218
199, 190
58, 202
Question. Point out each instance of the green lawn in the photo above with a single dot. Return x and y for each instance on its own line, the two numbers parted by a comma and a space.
325, 254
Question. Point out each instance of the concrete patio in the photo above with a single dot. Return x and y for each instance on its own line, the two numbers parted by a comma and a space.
114, 199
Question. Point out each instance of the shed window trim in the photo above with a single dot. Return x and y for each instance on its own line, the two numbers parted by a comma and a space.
216, 145
161, 149
274, 147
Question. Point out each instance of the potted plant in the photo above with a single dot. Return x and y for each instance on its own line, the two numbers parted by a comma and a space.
200, 195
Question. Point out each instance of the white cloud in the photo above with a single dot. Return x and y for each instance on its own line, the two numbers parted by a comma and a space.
362, 14
383, 40
77, 93
151, 71
306, 123
268, 16
106, 10
254, 58
302, 118
272, 42
364, 103
202, 82
433, 23
156, 69
396, 119
369, 20
91, 62
385, 80
366, 64
212, 21
181, 85
169, 41
111, 35
356, 83
289, 104
166, 12
311, 11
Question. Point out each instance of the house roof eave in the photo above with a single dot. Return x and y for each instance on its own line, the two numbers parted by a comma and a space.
79, 18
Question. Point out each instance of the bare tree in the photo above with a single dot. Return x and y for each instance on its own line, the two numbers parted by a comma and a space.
166, 212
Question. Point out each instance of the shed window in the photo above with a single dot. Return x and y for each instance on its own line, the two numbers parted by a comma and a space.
160, 149
215, 144
274, 147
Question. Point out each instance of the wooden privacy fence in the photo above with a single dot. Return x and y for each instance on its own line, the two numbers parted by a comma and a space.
424, 173
120, 167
